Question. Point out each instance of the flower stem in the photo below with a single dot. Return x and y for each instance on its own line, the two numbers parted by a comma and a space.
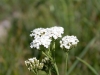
56, 68
37, 73
66, 63
49, 71
55, 65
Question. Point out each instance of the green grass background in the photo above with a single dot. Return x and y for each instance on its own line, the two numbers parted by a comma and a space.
78, 17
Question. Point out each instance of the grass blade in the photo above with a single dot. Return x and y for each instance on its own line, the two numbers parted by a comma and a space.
81, 55
89, 66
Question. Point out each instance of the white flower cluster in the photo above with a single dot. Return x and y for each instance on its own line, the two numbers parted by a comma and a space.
56, 32
68, 42
45, 60
43, 36
44, 40
33, 64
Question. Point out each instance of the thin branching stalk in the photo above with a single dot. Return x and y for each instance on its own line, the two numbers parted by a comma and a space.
66, 63
37, 73
56, 68
49, 71
55, 65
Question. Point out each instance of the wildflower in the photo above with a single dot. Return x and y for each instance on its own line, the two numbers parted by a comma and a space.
68, 42
45, 60
56, 32
33, 64
44, 41
38, 32
47, 64
43, 36
41, 66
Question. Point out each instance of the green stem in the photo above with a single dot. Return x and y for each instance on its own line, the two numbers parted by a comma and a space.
56, 68
66, 63
89, 66
37, 73
49, 71
55, 65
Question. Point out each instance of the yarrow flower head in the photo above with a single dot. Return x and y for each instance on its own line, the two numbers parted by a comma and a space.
43, 36
56, 32
46, 60
33, 64
38, 32
68, 42
44, 41
47, 63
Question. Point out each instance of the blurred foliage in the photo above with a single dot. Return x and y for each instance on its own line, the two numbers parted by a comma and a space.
78, 17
